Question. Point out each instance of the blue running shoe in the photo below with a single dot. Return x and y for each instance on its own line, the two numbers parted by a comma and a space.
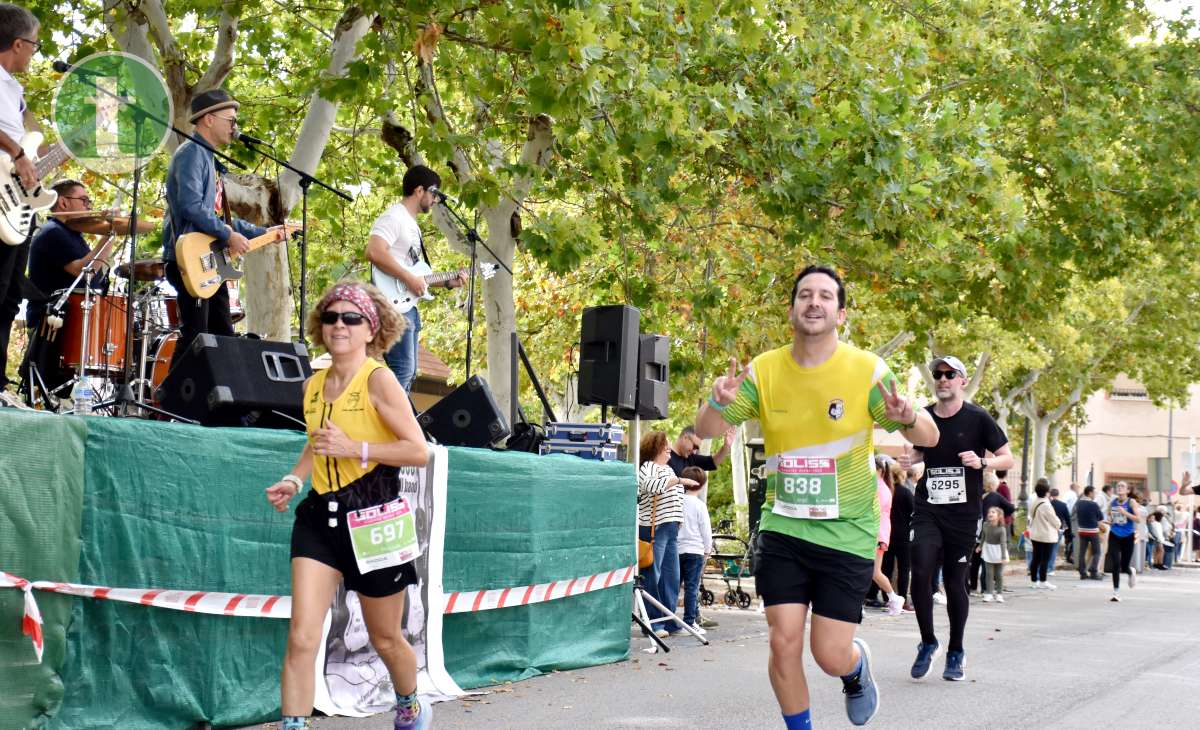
954, 666
925, 656
424, 720
862, 696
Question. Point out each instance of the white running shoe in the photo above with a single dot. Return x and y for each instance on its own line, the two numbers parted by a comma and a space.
939, 599
1037, 586
895, 605
987, 597
1049, 586
999, 598
1116, 598
698, 630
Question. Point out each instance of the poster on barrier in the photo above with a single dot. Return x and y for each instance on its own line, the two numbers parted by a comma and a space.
356, 682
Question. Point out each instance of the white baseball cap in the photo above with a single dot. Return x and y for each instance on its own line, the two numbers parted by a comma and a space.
952, 361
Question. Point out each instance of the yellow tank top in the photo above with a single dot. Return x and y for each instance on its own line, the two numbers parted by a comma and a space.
352, 412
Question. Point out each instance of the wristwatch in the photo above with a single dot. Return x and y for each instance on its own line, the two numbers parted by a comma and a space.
983, 462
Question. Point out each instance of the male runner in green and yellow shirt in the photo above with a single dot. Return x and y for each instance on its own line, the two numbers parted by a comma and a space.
818, 402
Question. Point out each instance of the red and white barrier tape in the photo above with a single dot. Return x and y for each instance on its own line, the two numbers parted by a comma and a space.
470, 601
260, 606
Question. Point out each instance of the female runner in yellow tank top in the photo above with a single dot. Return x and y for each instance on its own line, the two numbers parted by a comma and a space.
361, 429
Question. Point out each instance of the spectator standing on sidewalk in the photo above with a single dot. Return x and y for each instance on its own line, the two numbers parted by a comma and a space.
1043, 531
884, 489
1064, 531
695, 545
1141, 536
1088, 518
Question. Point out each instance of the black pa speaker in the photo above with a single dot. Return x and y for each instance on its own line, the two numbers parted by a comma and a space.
468, 416
608, 351
654, 355
238, 381
757, 482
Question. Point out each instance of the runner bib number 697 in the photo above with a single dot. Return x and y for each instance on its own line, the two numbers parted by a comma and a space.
806, 488
946, 485
383, 536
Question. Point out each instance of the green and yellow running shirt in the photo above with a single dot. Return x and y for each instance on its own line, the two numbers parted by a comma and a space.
817, 428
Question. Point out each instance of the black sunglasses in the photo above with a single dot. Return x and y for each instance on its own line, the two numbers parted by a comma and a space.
350, 319
947, 374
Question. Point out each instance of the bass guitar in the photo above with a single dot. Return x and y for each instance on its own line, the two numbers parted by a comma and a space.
18, 206
402, 298
205, 264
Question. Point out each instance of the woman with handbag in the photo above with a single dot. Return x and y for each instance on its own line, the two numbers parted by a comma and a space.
1043, 533
660, 513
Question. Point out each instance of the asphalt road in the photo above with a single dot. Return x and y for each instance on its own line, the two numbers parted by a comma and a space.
1062, 659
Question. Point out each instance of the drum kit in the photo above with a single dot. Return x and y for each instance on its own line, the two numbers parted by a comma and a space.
91, 324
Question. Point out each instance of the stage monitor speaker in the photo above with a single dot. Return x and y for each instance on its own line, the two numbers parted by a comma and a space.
757, 482
653, 389
238, 381
608, 351
468, 416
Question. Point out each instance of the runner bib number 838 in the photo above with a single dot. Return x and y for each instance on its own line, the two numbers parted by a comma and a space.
383, 536
806, 488
946, 485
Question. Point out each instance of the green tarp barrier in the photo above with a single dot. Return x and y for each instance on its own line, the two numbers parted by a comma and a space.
520, 519
41, 485
176, 506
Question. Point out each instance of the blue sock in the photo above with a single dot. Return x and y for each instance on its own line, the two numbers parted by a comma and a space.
854, 672
408, 707
799, 721
294, 722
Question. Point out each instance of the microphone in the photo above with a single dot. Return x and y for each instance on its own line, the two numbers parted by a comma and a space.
247, 139
438, 195
65, 68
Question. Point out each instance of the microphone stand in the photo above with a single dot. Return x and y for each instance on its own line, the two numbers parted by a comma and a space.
305, 181
124, 395
473, 237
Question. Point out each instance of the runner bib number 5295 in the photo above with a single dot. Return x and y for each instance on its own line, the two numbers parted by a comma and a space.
946, 485
806, 488
383, 536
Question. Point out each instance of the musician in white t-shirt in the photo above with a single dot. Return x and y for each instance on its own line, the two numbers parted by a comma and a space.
18, 42
395, 247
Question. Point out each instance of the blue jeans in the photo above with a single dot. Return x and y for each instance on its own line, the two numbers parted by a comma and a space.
402, 358
1054, 555
661, 580
692, 567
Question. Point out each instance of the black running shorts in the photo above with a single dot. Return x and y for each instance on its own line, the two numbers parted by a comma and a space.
314, 538
955, 536
831, 582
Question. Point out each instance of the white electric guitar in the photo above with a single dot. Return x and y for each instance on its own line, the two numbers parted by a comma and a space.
18, 206
402, 298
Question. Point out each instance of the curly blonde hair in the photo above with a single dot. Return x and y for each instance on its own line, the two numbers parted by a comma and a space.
391, 324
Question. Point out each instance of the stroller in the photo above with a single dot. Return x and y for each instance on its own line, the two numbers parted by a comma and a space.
730, 561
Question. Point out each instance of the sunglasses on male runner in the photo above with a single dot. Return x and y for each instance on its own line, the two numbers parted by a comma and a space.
947, 374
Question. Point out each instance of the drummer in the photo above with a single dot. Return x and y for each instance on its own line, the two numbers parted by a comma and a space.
57, 255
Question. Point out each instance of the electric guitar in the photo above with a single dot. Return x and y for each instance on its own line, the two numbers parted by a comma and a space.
18, 206
402, 298
206, 264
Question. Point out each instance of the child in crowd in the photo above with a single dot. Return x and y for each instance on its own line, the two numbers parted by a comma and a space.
993, 548
695, 544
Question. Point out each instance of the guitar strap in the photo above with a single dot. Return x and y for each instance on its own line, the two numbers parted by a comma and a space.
421, 243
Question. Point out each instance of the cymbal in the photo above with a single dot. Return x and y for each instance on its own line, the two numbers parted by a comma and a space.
100, 223
143, 270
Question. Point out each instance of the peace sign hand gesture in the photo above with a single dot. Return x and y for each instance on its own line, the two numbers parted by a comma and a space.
898, 409
725, 388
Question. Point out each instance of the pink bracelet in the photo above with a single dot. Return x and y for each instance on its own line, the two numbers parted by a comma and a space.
364, 454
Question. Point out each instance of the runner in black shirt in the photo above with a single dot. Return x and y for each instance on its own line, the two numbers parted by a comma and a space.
945, 521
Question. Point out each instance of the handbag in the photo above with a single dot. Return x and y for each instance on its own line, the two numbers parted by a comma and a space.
646, 547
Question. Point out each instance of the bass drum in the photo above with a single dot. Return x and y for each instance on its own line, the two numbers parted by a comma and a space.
161, 352
104, 350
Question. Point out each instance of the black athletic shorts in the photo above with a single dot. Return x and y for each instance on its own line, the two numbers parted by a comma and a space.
955, 536
313, 537
831, 582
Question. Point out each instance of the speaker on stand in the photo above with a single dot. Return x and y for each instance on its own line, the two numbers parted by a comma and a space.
608, 351
468, 416
652, 391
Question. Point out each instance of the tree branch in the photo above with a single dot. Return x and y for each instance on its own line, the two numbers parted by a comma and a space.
222, 58
891, 346
436, 114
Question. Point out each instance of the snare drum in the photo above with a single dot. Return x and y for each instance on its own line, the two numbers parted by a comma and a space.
104, 350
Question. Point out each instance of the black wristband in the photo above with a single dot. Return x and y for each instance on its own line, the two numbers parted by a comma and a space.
20, 154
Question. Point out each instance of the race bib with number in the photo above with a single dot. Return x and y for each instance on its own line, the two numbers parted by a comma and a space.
806, 488
383, 536
1118, 516
946, 485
